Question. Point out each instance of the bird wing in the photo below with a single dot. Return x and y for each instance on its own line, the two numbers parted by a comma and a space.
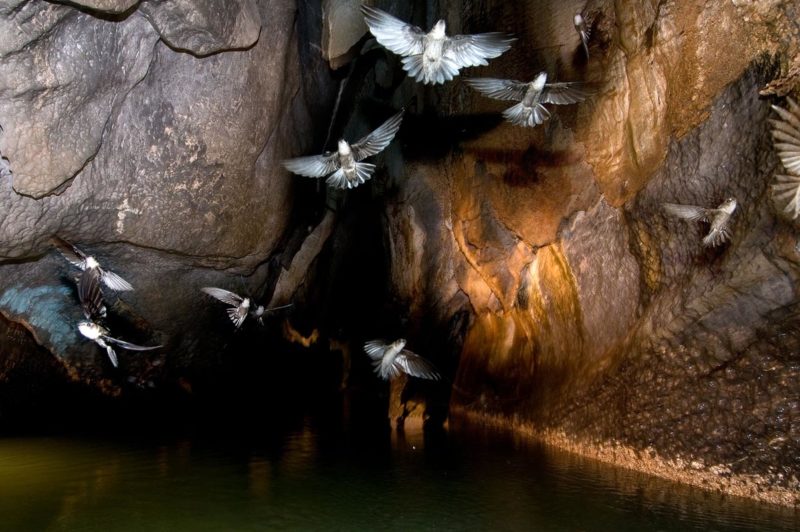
70, 252
130, 346
718, 235
415, 365
688, 212
313, 165
223, 295
376, 349
376, 141
786, 190
90, 295
499, 89
787, 134
564, 93
115, 282
398, 36
474, 50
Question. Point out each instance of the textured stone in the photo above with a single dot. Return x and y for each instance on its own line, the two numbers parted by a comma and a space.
207, 27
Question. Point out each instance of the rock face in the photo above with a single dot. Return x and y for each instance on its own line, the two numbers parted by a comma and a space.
535, 267
125, 137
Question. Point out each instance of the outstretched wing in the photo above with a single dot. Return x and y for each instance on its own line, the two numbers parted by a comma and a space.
129, 346
687, 212
70, 252
786, 134
416, 366
90, 295
398, 36
223, 295
375, 349
313, 165
115, 282
376, 141
474, 50
499, 89
786, 192
564, 93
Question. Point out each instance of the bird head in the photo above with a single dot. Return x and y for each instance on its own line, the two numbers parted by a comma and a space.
540, 80
729, 205
245, 303
400, 343
438, 31
344, 147
577, 20
91, 263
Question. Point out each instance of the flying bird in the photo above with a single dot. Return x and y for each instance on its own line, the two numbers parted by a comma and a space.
260, 311
583, 31
86, 262
240, 306
530, 110
90, 295
100, 336
786, 138
433, 57
390, 360
718, 218
344, 167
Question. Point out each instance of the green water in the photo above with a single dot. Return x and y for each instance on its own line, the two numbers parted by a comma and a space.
320, 477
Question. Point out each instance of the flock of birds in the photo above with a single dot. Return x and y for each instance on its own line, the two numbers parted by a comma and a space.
434, 58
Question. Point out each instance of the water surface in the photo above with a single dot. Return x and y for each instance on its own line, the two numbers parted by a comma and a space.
317, 476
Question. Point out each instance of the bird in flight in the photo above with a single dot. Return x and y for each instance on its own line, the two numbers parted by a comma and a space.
344, 167
240, 306
530, 110
433, 57
86, 262
391, 359
583, 31
718, 218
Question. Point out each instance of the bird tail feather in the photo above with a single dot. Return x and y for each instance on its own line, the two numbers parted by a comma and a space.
522, 115
112, 355
338, 179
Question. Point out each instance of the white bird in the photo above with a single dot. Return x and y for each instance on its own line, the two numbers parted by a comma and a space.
719, 218
786, 138
260, 311
390, 360
100, 336
344, 167
583, 31
240, 306
530, 110
86, 262
433, 57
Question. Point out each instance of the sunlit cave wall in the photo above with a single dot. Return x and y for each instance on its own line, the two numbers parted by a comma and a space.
150, 135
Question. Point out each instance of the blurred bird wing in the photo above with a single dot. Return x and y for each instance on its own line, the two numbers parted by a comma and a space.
223, 295
376, 349
115, 282
564, 93
313, 165
376, 141
70, 252
474, 50
787, 134
398, 36
90, 295
415, 365
688, 212
499, 89
130, 346
787, 190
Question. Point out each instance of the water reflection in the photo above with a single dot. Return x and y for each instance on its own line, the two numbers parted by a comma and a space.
322, 476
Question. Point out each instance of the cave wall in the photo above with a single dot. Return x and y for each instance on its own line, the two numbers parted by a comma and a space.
150, 134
